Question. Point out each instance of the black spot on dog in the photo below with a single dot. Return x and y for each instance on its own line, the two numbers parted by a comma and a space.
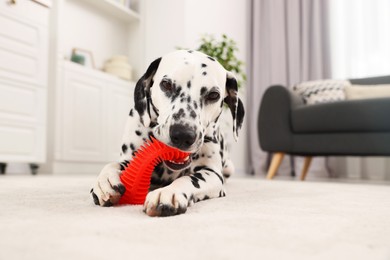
190, 51
138, 132
150, 135
188, 84
199, 176
131, 112
189, 99
132, 147
195, 105
208, 170
195, 182
210, 58
204, 65
153, 124
176, 94
124, 148
179, 114
193, 114
204, 73
185, 195
206, 197
124, 164
203, 91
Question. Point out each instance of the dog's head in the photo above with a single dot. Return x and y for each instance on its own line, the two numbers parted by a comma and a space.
181, 96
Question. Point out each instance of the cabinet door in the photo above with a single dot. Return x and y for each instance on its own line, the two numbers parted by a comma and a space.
23, 81
23, 42
120, 101
84, 113
22, 122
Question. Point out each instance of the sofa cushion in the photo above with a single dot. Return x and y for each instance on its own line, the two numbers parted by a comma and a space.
367, 91
321, 91
368, 115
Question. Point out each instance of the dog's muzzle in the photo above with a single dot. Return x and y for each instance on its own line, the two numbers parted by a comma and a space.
178, 165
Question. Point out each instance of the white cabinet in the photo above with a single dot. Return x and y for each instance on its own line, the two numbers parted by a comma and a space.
91, 108
87, 107
84, 116
23, 81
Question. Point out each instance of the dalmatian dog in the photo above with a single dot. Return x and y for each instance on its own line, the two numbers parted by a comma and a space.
178, 101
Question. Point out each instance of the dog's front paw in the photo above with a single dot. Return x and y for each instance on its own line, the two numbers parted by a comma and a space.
108, 188
165, 202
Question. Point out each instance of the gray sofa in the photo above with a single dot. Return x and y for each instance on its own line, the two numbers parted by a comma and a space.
350, 127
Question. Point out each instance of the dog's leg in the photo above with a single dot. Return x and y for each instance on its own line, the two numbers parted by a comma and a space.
108, 188
204, 182
227, 164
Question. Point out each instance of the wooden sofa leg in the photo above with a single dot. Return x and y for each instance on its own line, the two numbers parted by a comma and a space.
306, 165
275, 163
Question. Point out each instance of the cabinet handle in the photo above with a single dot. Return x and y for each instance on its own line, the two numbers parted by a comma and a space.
12, 2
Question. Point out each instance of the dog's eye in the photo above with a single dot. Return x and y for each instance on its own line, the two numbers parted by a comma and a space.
212, 96
166, 85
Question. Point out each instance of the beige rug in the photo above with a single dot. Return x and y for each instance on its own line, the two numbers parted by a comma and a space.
48, 217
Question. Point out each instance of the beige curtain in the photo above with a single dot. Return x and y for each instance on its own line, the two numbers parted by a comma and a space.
288, 44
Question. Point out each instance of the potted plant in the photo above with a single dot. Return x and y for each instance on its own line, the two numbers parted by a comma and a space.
224, 51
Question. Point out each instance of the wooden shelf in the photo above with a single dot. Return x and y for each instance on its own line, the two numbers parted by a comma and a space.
115, 9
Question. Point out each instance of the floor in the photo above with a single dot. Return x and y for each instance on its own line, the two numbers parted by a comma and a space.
53, 217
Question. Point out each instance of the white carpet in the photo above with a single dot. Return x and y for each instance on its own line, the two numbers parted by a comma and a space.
48, 217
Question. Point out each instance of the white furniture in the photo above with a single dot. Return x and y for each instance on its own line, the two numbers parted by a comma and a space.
90, 114
87, 107
23, 81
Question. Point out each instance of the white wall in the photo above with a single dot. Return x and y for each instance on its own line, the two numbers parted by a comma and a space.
181, 23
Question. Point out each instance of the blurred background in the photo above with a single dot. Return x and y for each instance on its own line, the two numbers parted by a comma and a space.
68, 70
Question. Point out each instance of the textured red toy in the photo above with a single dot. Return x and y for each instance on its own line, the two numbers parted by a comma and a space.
136, 177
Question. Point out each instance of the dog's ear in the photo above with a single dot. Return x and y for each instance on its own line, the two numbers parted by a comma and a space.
142, 101
234, 103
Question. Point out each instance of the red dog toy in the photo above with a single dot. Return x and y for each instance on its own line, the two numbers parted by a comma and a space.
136, 177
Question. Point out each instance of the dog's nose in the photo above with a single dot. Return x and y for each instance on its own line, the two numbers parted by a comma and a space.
182, 137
